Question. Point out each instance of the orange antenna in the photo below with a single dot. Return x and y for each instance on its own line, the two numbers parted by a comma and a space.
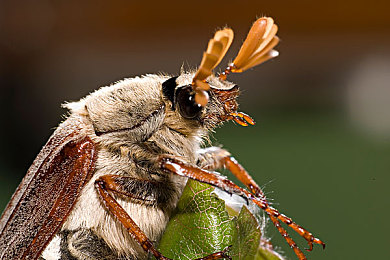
257, 47
216, 50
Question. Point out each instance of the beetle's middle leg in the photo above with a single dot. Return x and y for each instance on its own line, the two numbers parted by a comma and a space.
107, 184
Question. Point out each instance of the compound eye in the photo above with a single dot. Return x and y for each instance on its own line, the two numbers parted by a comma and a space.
185, 101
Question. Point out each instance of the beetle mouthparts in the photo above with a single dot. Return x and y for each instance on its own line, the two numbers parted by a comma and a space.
241, 118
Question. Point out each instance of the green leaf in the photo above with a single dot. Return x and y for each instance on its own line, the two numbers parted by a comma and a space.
247, 244
201, 226
247, 240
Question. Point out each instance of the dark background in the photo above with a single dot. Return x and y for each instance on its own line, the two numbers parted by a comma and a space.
321, 145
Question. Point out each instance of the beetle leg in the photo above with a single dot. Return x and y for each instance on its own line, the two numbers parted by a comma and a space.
178, 167
111, 183
107, 183
234, 167
213, 158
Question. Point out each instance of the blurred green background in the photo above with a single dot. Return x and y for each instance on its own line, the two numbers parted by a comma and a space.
321, 145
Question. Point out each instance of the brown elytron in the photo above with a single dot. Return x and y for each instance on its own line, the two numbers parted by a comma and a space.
38, 211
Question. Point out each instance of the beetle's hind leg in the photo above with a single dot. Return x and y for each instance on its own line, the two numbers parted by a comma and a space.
178, 167
83, 243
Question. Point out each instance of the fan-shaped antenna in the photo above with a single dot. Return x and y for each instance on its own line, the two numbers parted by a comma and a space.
257, 47
216, 50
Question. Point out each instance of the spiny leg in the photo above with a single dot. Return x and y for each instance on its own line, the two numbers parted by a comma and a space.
111, 183
234, 167
107, 183
215, 158
178, 167
286, 236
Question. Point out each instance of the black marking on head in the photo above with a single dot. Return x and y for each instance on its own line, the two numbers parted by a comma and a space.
168, 88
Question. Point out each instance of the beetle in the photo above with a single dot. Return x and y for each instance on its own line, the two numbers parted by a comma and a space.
107, 180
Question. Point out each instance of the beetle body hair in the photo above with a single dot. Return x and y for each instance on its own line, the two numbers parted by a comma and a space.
132, 123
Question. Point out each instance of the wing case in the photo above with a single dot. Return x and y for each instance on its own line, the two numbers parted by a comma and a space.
48, 192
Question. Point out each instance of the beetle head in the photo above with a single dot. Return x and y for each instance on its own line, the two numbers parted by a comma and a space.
211, 99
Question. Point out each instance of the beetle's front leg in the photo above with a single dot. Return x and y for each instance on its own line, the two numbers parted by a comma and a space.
178, 167
114, 184
213, 158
